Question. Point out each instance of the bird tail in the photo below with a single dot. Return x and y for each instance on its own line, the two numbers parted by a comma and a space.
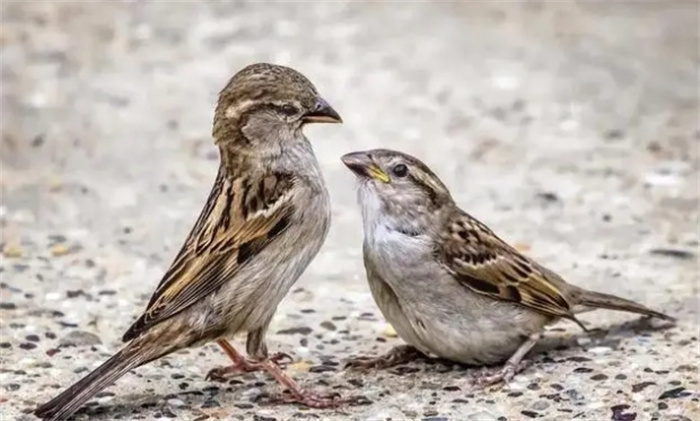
600, 300
70, 400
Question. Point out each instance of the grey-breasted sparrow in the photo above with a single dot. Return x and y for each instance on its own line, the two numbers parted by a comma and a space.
448, 285
264, 221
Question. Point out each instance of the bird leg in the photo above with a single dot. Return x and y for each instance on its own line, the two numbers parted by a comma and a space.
513, 366
397, 355
240, 364
298, 395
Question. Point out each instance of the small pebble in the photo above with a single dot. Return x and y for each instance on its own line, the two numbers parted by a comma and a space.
328, 325
389, 332
12, 250
540, 405
80, 338
295, 330
600, 350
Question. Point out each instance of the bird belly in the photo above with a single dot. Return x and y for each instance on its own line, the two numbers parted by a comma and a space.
249, 301
433, 312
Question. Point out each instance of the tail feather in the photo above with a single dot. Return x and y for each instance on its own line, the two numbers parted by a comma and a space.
611, 302
69, 401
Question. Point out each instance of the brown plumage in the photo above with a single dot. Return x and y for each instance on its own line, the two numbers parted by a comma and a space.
447, 283
264, 221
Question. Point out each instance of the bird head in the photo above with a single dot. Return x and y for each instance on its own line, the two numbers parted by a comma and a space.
397, 190
268, 103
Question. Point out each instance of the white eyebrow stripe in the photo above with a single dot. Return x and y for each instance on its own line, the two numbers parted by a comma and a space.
238, 108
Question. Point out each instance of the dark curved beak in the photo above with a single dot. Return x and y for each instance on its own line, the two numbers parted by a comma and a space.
362, 164
322, 113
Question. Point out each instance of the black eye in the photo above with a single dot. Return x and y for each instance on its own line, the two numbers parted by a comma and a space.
288, 110
400, 170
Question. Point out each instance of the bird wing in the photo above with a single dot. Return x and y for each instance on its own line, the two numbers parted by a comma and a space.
241, 217
484, 263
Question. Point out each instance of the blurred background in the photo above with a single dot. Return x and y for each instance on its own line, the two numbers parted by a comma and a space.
571, 128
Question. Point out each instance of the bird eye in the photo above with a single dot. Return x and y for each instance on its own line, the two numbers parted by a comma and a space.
400, 170
288, 110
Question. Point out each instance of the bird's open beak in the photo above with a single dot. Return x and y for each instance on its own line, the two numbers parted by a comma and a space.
362, 164
322, 113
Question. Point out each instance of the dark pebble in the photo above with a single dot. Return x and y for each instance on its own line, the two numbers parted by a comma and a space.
52, 351
548, 196
104, 394
74, 294
676, 253
27, 345
641, 386
583, 370
244, 405
619, 413
168, 413
530, 414
578, 359
257, 417
12, 387
662, 405
211, 403
5, 345
7, 306
321, 369
430, 413
533, 386
599, 377
177, 376
338, 318
50, 335
107, 292
295, 330
515, 394
620, 377
304, 342
328, 325
678, 392
460, 400
32, 338
574, 395
614, 134
308, 311
435, 419
556, 386
451, 389
356, 382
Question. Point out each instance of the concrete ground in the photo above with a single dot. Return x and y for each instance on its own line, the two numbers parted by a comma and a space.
570, 128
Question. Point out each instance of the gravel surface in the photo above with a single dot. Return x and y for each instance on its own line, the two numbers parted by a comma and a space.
571, 129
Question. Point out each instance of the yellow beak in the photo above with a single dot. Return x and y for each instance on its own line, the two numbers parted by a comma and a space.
377, 173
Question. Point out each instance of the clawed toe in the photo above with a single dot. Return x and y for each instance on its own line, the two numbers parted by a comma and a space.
279, 357
220, 374
503, 375
310, 399
363, 363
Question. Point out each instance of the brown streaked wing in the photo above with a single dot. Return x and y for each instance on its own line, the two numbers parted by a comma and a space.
484, 263
240, 219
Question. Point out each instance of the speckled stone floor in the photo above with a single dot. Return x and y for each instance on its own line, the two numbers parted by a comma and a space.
570, 128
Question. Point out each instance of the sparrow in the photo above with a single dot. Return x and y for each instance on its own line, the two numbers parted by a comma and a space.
264, 221
446, 282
